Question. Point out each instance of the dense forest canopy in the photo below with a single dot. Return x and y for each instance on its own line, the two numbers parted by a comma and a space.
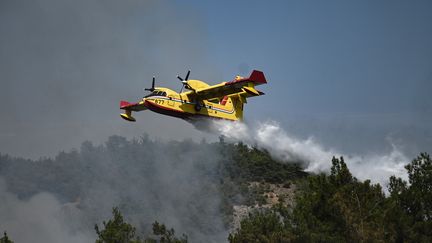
194, 187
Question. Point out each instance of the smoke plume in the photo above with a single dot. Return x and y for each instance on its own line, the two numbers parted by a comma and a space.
60, 199
39, 219
315, 156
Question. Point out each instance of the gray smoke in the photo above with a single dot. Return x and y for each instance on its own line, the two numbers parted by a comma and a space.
41, 218
65, 65
175, 183
377, 167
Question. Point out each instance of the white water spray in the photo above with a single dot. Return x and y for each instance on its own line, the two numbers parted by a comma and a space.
270, 136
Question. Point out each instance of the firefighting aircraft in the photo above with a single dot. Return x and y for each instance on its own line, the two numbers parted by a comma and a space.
220, 101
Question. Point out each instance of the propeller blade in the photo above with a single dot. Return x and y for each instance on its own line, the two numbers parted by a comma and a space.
184, 81
187, 75
153, 85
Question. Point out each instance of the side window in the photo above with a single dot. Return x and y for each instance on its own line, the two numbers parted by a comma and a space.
215, 101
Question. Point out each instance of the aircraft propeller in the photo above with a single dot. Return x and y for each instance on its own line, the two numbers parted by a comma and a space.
184, 81
153, 85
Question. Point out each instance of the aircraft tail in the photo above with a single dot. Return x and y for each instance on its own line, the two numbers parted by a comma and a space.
257, 77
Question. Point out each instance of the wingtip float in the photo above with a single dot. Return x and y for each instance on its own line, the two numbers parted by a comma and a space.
221, 101
128, 116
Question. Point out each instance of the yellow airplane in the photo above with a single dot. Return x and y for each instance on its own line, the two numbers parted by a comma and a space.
220, 101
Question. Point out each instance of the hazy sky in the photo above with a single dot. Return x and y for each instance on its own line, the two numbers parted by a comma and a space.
354, 74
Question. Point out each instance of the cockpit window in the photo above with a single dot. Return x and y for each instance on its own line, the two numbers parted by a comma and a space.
156, 93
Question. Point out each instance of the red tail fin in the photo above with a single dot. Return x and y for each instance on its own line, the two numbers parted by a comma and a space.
125, 105
257, 77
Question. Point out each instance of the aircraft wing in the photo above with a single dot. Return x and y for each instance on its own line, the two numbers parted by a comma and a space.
242, 86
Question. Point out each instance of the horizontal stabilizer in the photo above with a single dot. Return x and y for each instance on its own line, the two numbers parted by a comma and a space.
251, 91
256, 77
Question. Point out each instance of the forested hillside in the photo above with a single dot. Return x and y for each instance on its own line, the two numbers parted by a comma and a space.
188, 185
200, 189
340, 208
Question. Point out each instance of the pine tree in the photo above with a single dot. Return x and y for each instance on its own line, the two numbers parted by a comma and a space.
5, 238
167, 235
410, 210
116, 230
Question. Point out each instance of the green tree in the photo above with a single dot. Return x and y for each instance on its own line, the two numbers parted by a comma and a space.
410, 204
315, 218
5, 238
340, 174
116, 230
339, 208
420, 179
167, 235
